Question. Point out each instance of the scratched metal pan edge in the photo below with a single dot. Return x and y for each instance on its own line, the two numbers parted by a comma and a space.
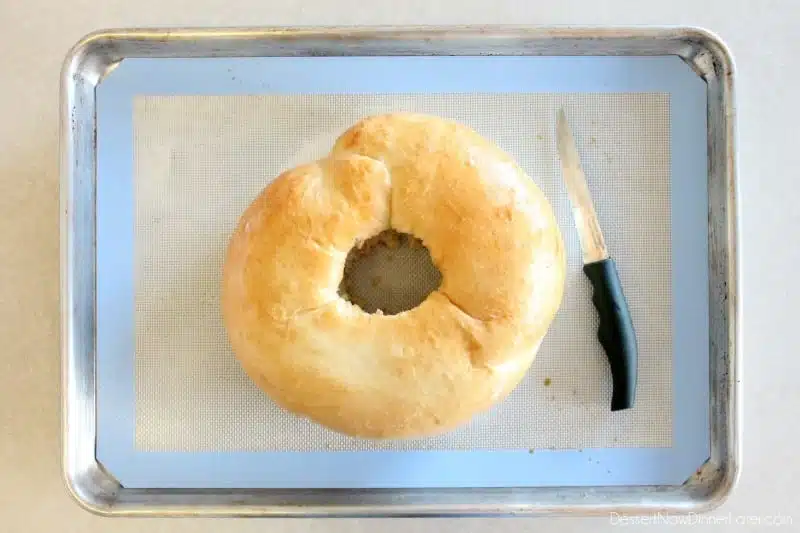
95, 55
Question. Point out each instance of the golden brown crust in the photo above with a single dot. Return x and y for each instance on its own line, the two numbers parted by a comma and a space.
490, 231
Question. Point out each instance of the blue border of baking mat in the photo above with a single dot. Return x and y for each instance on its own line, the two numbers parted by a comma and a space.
405, 469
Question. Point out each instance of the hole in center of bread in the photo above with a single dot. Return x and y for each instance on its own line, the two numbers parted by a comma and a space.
389, 273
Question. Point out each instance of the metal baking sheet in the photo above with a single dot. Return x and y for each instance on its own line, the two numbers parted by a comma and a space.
108, 71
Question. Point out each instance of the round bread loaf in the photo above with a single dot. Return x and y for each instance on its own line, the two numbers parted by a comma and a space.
490, 231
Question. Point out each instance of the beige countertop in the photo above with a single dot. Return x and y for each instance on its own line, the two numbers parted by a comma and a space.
36, 36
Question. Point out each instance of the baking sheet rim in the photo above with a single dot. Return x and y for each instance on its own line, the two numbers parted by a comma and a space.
91, 59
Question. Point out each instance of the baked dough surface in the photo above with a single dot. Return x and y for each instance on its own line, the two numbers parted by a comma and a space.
490, 231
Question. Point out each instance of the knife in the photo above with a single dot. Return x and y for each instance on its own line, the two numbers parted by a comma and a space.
615, 333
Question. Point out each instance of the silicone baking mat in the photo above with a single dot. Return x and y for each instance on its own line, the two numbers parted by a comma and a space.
199, 161
183, 145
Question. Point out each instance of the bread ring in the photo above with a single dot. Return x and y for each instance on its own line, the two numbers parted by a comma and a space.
490, 231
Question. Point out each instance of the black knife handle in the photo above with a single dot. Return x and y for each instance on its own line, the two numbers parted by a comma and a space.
616, 332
